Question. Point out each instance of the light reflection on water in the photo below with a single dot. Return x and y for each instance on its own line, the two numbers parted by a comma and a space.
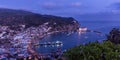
69, 40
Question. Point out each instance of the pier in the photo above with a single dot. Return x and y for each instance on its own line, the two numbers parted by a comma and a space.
56, 43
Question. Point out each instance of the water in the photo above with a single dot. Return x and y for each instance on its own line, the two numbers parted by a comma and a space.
75, 39
69, 40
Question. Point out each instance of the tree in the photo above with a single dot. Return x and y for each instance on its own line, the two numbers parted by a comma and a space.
94, 51
114, 36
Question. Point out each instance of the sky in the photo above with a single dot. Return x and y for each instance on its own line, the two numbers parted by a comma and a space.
71, 8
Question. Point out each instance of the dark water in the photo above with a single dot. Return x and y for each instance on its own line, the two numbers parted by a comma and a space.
69, 41
74, 39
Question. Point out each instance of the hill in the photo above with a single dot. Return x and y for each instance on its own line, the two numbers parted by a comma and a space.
16, 17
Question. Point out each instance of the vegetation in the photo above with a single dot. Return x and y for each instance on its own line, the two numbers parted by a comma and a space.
94, 51
107, 50
114, 36
17, 17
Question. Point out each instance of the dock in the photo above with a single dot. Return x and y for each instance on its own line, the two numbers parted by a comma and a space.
56, 43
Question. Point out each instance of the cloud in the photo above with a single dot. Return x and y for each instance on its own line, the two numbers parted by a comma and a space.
50, 5
115, 6
76, 4
54, 5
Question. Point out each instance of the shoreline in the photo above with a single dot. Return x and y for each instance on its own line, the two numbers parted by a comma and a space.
30, 47
32, 50
22, 44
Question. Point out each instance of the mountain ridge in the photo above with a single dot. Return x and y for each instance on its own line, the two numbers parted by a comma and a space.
15, 17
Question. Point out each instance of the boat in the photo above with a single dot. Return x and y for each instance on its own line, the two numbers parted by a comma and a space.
82, 29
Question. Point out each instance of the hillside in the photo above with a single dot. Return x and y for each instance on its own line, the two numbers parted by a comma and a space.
15, 17
14, 23
20, 29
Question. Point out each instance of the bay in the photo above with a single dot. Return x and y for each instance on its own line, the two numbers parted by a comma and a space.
77, 38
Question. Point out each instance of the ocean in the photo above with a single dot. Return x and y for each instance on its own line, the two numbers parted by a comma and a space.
71, 40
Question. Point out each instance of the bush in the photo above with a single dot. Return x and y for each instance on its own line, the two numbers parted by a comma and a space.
94, 51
